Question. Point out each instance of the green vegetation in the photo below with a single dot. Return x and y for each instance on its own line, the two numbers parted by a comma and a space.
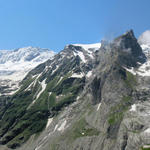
130, 80
52, 100
145, 148
65, 101
25, 84
117, 112
22, 118
115, 118
54, 146
80, 129
51, 85
21, 121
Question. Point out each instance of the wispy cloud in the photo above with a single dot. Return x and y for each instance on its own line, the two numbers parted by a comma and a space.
145, 38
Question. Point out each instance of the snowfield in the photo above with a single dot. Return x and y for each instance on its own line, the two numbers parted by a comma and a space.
15, 64
95, 46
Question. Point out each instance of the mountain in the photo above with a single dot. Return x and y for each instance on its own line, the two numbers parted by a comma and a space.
15, 64
89, 97
45, 91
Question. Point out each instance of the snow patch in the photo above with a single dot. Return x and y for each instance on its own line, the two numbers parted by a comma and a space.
49, 122
12, 92
62, 127
82, 56
98, 107
56, 127
47, 68
139, 63
38, 147
59, 80
75, 54
29, 87
75, 75
89, 74
78, 97
43, 84
55, 69
35, 81
130, 70
133, 107
147, 130
144, 46
144, 69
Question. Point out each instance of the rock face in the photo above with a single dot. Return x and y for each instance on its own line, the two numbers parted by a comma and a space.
86, 98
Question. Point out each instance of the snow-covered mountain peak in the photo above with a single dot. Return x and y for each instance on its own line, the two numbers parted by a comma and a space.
25, 54
15, 64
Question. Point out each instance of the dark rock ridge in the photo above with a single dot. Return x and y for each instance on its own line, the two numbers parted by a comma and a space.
82, 99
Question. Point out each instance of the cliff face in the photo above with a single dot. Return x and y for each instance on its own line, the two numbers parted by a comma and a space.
83, 99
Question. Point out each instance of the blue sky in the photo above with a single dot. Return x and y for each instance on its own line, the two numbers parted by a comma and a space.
55, 23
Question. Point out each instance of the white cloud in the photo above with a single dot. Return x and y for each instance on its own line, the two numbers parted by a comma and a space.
145, 38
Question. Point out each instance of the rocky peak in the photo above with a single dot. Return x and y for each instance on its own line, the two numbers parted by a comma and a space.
73, 47
127, 41
129, 33
130, 52
124, 50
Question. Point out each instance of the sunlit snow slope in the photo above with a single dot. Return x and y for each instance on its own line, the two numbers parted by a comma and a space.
15, 64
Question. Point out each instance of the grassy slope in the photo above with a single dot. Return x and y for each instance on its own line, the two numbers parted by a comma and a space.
20, 122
